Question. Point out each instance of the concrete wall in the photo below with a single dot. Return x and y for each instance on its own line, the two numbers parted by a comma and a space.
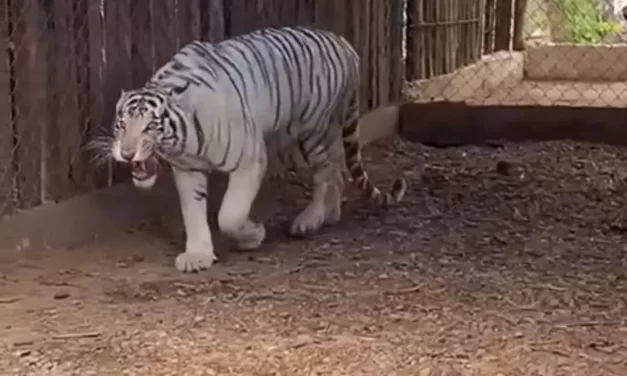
493, 71
576, 62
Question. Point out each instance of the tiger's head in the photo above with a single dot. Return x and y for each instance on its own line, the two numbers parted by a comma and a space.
145, 129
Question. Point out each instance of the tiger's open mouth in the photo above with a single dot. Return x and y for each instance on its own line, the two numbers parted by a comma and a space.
145, 169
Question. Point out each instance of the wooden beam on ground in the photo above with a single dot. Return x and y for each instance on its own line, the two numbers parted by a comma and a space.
446, 124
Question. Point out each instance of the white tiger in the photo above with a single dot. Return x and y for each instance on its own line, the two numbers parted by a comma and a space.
217, 106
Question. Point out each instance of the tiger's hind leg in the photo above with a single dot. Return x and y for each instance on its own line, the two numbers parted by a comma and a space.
328, 185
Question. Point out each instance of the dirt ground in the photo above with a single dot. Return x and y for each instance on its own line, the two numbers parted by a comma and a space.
508, 260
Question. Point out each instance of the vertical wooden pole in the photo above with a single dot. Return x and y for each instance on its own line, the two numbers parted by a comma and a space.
28, 94
519, 24
503, 25
7, 174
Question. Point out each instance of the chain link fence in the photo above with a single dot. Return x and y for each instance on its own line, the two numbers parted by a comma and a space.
517, 52
66, 61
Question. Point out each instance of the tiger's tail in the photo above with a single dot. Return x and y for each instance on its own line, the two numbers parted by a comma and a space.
354, 163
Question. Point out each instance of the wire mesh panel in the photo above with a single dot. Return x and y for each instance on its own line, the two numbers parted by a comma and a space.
471, 50
442, 35
66, 40
27, 75
577, 40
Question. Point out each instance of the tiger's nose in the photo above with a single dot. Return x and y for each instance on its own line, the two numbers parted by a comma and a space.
127, 155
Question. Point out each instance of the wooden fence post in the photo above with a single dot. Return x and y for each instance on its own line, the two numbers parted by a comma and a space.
212, 20
29, 92
488, 41
395, 53
503, 25
118, 67
415, 41
519, 24
7, 173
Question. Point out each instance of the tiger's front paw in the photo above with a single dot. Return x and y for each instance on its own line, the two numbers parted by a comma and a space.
191, 262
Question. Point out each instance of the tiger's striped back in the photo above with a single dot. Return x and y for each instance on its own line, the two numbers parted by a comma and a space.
296, 83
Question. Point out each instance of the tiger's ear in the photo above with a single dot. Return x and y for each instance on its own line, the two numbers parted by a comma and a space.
123, 95
121, 99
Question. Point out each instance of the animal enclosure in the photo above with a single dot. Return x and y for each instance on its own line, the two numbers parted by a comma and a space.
504, 258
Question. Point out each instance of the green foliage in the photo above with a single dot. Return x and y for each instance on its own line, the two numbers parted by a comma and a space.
584, 21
